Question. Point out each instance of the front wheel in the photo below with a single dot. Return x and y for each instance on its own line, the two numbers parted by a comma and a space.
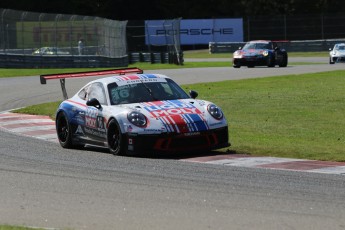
271, 61
63, 130
331, 60
115, 138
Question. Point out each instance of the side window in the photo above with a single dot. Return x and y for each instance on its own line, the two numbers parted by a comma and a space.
96, 90
83, 93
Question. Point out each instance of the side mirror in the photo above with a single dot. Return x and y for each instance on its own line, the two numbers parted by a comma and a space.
193, 94
240, 48
330, 49
94, 102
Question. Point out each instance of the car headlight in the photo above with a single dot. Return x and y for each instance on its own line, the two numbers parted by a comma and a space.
215, 111
238, 54
137, 119
265, 53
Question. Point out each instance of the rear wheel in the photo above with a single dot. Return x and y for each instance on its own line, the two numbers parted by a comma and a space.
116, 143
284, 61
63, 130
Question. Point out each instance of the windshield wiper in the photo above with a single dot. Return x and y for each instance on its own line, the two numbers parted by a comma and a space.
149, 90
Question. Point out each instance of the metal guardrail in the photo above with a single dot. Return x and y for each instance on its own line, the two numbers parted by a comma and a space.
290, 46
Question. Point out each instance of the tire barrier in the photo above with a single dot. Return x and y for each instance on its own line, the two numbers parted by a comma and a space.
156, 58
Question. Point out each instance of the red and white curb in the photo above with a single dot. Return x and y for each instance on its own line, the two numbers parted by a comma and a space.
43, 127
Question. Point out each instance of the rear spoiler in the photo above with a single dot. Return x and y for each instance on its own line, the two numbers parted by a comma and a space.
63, 76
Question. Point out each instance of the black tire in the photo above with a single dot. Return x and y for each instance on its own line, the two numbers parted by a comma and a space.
64, 131
236, 64
115, 139
284, 62
271, 61
331, 61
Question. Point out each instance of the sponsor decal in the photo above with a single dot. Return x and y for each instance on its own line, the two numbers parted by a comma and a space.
167, 108
94, 123
79, 130
135, 79
192, 134
129, 128
94, 119
177, 116
94, 132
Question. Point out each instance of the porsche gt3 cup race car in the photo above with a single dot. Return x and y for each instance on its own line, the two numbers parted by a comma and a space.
132, 112
260, 53
337, 54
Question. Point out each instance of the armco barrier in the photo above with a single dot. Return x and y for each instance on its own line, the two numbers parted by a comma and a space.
290, 46
46, 61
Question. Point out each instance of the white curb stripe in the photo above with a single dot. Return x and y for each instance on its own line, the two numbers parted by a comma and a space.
33, 128
2, 123
330, 170
251, 161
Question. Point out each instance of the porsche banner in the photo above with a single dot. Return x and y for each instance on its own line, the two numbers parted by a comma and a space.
195, 31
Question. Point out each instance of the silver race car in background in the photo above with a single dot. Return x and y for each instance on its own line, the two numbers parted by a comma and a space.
133, 112
337, 54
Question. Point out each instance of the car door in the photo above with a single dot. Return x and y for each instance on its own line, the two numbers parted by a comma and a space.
94, 126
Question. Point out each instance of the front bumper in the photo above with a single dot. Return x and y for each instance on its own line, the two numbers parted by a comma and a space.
187, 142
250, 61
338, 58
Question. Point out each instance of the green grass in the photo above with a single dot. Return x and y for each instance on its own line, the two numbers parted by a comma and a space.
295, 116
48, 109
5, 73
145, 66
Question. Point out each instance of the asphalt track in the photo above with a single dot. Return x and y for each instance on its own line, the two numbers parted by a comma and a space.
47, 186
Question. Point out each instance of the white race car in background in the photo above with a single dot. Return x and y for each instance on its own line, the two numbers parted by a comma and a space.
337, 54
133, 112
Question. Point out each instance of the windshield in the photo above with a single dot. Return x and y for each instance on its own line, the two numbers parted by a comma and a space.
145, 92
258, 46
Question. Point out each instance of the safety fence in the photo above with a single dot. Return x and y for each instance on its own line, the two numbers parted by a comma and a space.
29, 39
143, 48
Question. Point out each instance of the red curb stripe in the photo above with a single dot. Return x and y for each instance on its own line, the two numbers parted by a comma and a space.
40, 132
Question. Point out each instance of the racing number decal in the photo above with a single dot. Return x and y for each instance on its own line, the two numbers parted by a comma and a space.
94, 123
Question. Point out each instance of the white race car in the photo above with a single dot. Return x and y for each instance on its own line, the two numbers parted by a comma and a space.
337, 54
132, 112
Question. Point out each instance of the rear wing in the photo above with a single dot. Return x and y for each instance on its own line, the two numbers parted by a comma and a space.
63, 76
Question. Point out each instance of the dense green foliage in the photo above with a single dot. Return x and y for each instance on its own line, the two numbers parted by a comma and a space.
156, 9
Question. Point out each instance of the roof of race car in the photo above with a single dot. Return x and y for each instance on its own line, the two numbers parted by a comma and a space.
340, 44
129, 78
259, 41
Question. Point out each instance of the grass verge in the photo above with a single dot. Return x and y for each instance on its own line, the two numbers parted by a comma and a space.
295, 116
